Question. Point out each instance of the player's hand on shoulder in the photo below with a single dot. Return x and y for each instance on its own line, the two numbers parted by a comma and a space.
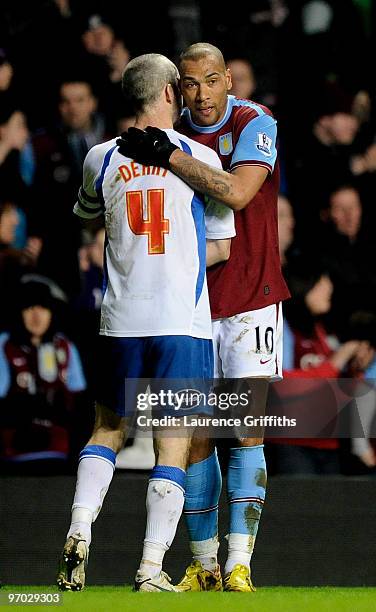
151, 147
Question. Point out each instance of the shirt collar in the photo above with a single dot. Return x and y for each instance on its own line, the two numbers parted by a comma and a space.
209, 129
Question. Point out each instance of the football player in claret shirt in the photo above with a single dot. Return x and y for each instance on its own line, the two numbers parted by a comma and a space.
245, 296
155, 314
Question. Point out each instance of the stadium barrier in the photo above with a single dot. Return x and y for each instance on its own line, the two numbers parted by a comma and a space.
313, 532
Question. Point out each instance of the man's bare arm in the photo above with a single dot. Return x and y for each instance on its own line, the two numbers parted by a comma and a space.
236, 189
217, 250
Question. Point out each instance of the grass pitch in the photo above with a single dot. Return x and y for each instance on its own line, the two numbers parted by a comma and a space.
267, 599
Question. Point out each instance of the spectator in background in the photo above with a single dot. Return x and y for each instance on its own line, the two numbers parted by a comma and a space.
347, 250
44, 44
14, 136
243, 78
104, 59
311, 353
365, 162
6, 75
332, 46
253, 30
339, 142
312, 347
88, 304
286, 225
91, 267
16, 152
345, 212
82, 126
40, 374
99, 39
364, 447
59, 155
290, 251
12, 112
332, 144
8, 224
13, 262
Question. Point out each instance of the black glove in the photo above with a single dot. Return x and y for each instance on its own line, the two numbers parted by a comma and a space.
151, 147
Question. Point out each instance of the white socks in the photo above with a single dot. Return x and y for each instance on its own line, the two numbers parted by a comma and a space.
206, 552
164, 504
81, 523
240, 548
94, 475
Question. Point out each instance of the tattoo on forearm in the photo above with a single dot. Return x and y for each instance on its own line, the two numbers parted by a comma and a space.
204, 178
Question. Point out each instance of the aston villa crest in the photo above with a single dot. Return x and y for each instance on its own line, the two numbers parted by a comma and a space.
225, 144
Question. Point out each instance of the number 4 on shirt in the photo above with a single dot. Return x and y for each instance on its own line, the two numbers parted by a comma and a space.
155, 226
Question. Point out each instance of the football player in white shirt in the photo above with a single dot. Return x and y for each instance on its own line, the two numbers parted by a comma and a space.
155, 317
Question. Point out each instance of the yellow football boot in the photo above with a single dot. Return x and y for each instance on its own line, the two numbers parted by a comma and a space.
239, 580
196, 578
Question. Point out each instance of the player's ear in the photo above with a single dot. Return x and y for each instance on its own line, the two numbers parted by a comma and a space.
172, 93
228, 79
169, 93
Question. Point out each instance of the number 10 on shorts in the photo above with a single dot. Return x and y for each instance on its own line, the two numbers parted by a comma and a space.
264, 340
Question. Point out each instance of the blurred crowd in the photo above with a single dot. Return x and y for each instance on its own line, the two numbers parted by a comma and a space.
61, 63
